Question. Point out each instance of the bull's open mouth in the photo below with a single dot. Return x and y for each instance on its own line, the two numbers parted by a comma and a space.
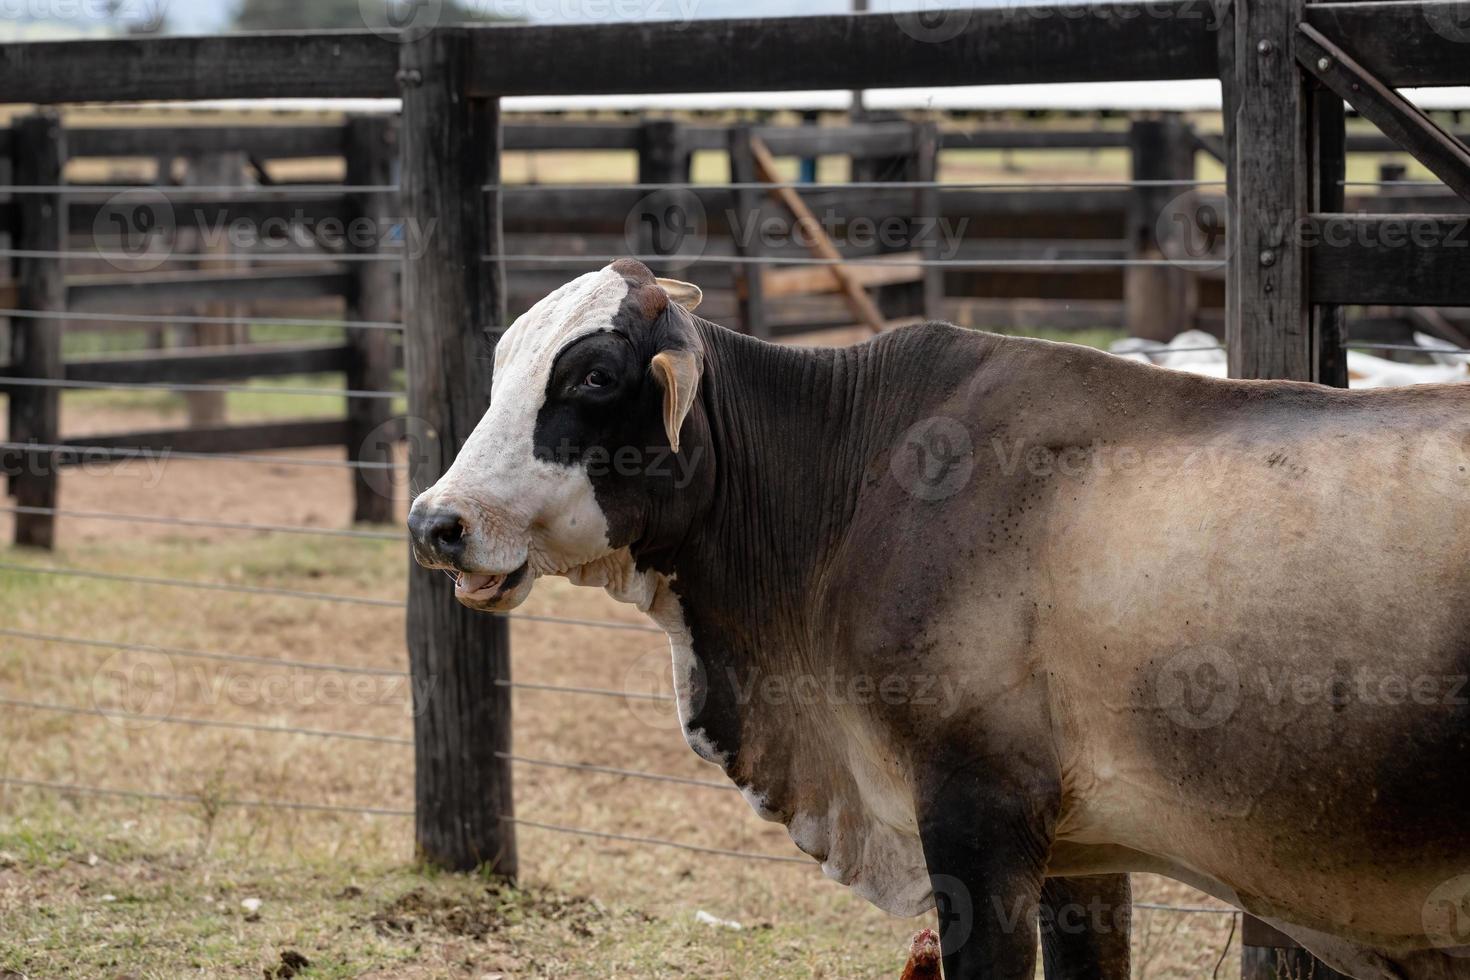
482, 588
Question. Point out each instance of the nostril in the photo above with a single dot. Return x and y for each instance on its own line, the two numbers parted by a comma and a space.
439, 531
447, 532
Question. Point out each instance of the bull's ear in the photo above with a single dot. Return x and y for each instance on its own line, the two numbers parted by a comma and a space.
686, 294
678, 372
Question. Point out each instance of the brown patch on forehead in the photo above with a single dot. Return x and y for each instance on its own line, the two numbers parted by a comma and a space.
633, 269
645, 295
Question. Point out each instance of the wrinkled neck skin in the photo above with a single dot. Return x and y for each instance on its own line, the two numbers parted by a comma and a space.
790, 438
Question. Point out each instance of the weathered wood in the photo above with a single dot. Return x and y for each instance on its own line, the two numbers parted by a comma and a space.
174, 291
252, 438
1445, 156
190, 365
208, 408
856, 296
665, 222
1329, 154
39, 145
371, 148
1403, 44
260, 207
268, 142
980, 46
744, 218
1269, 334
1391, 260
900, 267
454, 302
927, 228
1033, 139
324, 64
873, 139
1159, 299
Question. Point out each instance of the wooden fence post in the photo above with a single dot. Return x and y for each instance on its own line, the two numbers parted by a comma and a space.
209, 408
1158, 301
1281, 160
745, 232
39, 147
370, 151
454, 304
662, 222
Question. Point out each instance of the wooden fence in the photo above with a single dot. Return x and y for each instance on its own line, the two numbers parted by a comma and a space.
1286, 68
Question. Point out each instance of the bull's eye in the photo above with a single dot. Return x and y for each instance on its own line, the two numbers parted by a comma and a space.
597, 379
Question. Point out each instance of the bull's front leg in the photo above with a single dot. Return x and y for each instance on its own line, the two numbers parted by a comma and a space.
985, 843
1085, 928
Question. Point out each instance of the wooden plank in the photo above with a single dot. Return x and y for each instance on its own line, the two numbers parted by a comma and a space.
1269, 334
39, 144
323, 64
884, 139
982, 46
745, 218
1391, 260
570, 136
153, 292
857, 298
259, 437
1403, 122
196, 364
1033, 139
453, 301
1159, 298
1329, 152
267, 142
809, 280
371, 150
214, 214
1404, 44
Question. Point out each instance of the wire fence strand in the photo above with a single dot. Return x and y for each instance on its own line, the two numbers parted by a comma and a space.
183, 653
657, 842
140, 794
528, 258
179, 319
69, 384
141, 452
592, 691
177, 583
614, 771
170, 255
142, 717
857, 185
159, 519
170, 190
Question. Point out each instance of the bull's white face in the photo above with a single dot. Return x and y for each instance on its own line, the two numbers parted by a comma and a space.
507, 511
